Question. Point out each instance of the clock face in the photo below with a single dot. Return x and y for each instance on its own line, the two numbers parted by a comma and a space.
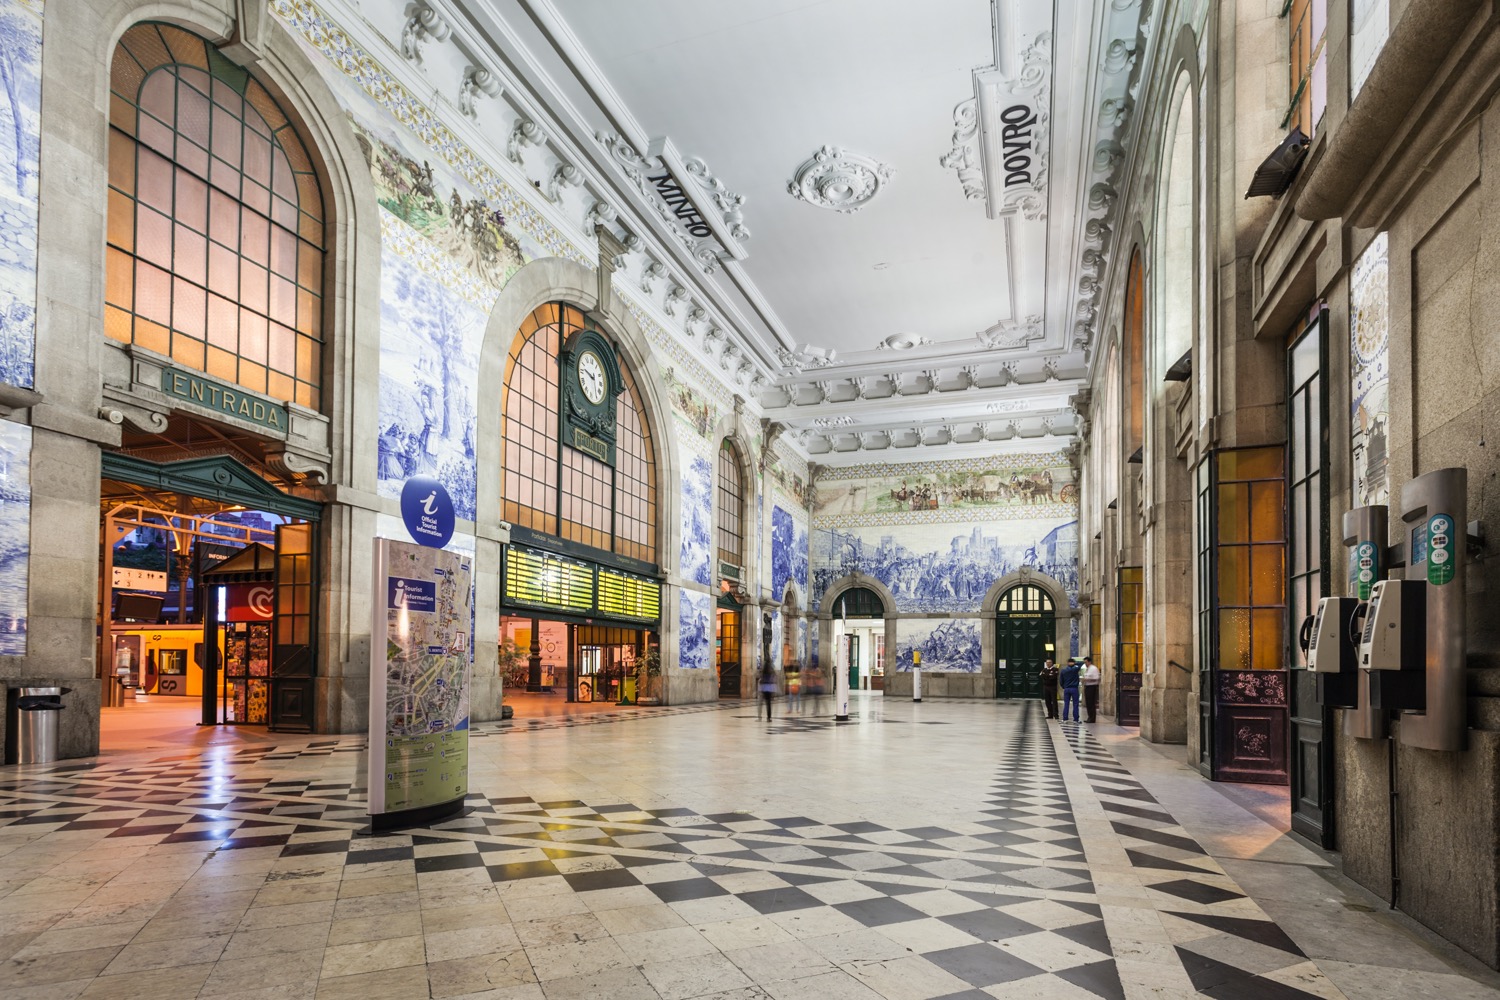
591, 377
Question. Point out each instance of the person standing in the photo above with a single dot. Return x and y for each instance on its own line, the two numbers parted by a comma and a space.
1068, 679
767, 688
1050, 674
1090, 681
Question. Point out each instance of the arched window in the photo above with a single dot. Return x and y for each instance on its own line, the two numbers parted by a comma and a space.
860, 602
561, 491
731, 506
1026, 597
1135, 357
1177, 228
216, 225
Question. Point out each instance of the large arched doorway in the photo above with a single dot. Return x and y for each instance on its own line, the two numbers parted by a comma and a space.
859, 638
1025, 636
580, 601
214, 301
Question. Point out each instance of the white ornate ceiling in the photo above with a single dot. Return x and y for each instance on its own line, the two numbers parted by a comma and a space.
887, 218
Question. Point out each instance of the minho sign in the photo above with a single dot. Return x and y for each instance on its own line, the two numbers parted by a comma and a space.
195, 388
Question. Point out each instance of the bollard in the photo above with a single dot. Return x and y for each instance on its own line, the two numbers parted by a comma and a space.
916, 675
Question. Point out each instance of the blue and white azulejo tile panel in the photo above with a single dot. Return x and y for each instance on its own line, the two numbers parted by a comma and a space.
697, 520
15, 534
430, 338
20, 139
694, 630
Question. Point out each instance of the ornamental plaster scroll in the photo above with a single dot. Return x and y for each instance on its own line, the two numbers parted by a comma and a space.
477, 81
654, 270
525, 133
805, 358
836, 179
902, 342
565, 176
424, 23
1001, 137
1010, 334
703, 214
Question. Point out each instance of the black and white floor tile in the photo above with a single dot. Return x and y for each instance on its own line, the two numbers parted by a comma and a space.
1023, 883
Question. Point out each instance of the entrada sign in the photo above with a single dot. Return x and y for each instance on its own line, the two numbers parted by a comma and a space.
223, 398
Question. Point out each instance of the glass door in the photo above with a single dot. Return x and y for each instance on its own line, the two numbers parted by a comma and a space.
1307, 574
1131, 646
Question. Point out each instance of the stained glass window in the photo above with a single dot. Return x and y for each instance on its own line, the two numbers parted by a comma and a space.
216, 225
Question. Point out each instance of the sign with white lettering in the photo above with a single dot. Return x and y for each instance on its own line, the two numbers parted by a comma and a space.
427, 510
217, 396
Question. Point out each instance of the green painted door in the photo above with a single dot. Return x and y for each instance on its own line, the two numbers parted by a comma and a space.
853, 662
1021, 640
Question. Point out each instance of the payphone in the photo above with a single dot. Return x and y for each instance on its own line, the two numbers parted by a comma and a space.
1366, 534
1393, 645
1434, 508
1332, 650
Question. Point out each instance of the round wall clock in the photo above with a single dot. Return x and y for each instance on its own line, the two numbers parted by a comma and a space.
591, 377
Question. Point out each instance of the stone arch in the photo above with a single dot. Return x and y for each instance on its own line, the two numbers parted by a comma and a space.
554, 279
80, 38
855, 581
1062, 608
252, 37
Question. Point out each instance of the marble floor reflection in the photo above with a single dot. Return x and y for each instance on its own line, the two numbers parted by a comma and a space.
947, 849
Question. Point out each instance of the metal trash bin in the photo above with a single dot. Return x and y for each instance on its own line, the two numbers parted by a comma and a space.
35, 721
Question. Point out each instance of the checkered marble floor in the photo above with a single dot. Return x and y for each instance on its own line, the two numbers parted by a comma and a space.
947, 849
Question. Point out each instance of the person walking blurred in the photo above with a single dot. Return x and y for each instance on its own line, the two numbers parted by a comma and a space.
767, 688
813, 679
1068, 679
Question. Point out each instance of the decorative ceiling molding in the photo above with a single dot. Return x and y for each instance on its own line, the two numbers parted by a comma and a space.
1120, 46
704, 215
805, 358
837, 179
424, 23
478, 82
1001, 135
1010, 334
902, 342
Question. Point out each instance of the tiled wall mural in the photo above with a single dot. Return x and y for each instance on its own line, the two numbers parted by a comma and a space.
15, 534
1038, 485
950, 644
938, 536
697, 520
691, 408
429, 371
20, 132
789, 553
945, 567
694, 630
1369, 336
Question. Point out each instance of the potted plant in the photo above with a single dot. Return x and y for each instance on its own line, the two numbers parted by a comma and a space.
648, 666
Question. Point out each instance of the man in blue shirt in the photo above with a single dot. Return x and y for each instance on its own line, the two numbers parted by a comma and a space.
1068, 681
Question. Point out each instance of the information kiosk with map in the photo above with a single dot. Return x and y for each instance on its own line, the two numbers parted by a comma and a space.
419, 683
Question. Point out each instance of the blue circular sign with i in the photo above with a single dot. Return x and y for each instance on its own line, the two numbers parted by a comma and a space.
428, 511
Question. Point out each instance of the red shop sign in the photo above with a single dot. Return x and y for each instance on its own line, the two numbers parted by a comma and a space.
248, 602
